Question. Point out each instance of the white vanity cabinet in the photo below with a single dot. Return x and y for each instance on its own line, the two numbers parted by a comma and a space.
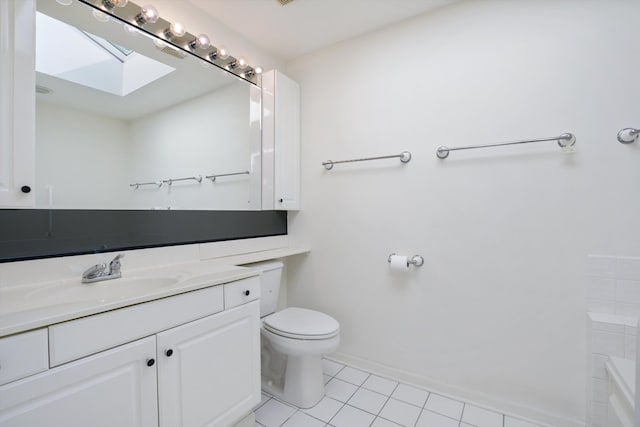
202, 372
209, 370
111, 388
280, 142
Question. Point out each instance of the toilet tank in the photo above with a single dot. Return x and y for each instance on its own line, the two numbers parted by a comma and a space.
269, 284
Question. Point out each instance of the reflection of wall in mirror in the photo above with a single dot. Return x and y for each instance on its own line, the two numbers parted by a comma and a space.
88, 161
206, 135
80, 159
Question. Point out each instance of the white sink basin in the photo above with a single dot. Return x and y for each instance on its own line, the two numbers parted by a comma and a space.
72, 291
103, 291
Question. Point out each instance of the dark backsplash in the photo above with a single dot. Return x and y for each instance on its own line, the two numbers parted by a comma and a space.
41, 233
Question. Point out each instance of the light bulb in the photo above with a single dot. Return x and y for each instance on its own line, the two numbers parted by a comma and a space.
176, 29
100, 16
202, 41
148, 14
222, 53
241, 63
257, 69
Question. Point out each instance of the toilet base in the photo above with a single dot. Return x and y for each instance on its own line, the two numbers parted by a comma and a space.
303, 382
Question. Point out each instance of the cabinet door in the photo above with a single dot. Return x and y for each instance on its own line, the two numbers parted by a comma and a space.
209, 370
287, 143
113, 388
17, 103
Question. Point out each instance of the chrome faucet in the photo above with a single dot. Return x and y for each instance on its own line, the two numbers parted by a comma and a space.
97, 272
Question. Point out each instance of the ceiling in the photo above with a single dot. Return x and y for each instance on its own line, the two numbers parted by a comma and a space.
303, 26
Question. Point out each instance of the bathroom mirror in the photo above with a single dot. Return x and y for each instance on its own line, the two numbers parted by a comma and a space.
125, 121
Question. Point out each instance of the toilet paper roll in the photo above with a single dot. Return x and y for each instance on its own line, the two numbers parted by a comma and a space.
399, 263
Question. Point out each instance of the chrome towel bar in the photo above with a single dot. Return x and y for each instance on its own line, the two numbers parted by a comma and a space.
628, 135
138, 184
197, 178
565, 140
214, 176
405, 157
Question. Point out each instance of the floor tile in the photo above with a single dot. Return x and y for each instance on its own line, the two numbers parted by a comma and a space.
330, 367
431, 419
274, 413
514, 422
352, 417
480, 417
352, 375
409, 394
326, 409
381, 422
400, 412
339, 390
300, 419
380, 385
367, 400
265, 398
444, 406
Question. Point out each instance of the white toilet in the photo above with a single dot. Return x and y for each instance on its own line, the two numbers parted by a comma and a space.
293, 343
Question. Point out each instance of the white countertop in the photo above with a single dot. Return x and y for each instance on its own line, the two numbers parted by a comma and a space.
24, 308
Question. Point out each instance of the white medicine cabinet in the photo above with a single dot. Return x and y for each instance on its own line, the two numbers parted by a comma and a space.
280, 142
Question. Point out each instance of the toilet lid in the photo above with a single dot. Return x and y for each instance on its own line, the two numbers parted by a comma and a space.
302, 323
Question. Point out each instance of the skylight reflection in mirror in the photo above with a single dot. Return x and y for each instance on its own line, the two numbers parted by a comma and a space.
65, 52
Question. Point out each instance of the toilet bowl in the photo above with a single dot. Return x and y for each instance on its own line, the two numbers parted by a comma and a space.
293, 342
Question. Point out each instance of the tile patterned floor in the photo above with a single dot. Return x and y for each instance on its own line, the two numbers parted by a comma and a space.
355, 398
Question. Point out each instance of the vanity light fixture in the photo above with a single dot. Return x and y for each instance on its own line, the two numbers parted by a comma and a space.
201, 41
223, 53
252, 72
240, 63
110, 4
176, 29
148, 15
170, 37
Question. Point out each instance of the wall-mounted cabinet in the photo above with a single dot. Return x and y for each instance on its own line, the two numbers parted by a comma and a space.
17, 103
280, 142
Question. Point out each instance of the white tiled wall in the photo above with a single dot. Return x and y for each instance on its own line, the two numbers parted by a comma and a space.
614, 285
613, 304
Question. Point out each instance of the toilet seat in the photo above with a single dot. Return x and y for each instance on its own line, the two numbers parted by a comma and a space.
301, 323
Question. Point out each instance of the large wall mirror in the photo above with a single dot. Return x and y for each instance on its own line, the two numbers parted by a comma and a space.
125, 121
127, 131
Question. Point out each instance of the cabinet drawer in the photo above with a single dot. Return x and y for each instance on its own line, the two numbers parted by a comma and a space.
241, 292
81, 337
23, 355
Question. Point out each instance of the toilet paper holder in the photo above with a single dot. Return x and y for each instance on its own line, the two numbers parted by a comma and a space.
416, 260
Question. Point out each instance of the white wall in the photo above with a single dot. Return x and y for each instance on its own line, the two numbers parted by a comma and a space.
82, 156
206, 135
496, 314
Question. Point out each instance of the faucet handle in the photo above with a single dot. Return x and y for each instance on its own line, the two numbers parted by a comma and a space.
94, 271
114, 265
